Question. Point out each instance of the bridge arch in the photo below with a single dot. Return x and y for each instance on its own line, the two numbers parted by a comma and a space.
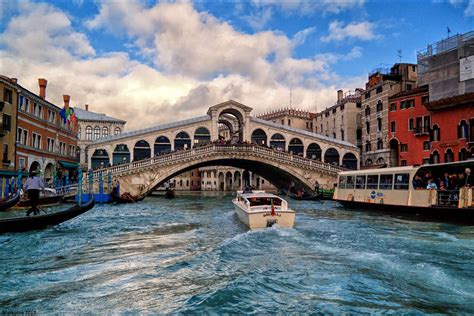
141, 150
202, 136
182, 141
331, 156
237, 185
278, 142
349, 161
313, 152
100, 159
259, 137
233, 113
296, 146
121, 154
162, 145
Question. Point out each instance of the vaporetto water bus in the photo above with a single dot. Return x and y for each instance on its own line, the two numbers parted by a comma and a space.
258, 209
439, 191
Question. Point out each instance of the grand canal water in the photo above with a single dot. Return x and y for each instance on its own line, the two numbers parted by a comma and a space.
191, 255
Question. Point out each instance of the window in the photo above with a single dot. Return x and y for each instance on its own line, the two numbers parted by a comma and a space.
79, 132
22, 163
435, 133
386, 181
358, 105
426, 123
379, 144
379, 124
50, 144
5, 154
21, 101
448, 155
379, 106
105, 131
463, 129
7, 95
426, 145
401, 181
411, 124
24, 139
393, 126
51, 116
36, 141
379, 90
342, 134
62, 148
367, 111
368, 146
334, 111
434, 157
289, 122
342, 107
393, 107
408, 87
425, 99
372, 182
350, 182
367, 127
404, 148
96, 132
117, 131
7, 122
410, 103
19, 133
367, 95
403, 163
342, 182
88, 133
360, 182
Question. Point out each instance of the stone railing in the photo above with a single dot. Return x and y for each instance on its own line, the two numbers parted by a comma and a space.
240, 150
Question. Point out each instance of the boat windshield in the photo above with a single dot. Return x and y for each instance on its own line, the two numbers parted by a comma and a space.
257, 201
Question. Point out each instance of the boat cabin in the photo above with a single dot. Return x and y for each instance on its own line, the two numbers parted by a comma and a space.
444, 185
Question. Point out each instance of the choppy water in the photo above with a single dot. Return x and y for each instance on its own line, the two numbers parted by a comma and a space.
191, 255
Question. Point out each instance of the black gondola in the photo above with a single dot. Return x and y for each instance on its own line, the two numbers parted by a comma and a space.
169, 194
127, 198
26, 223
304, 197
10, 202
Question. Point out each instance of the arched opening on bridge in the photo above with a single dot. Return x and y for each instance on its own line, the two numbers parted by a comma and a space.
221, 181
313, 152
48, 172
246, 178
141, 150
225, 130
394, 152
162, 145
296, 147
349, 161
234, 121
259, 137
121, 155
278, 142
332, 156
182, 141
100, 159
202, 137
35, 166
228, 181
237, 181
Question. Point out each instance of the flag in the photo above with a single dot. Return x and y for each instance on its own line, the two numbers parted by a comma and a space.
62, 114
273, 213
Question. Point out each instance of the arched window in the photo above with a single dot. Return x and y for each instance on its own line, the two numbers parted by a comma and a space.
435, 134
448, 155
96, 132
79, 132
463, 129
368, 146
89, 133
379, 144
379, 106
105, 131
367, 111
117, 131
368, 162
434, 157
462, 154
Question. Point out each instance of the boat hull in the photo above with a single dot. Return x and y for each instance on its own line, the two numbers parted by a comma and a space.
7, 204
463, 216
264, 219
42, 201
26, 223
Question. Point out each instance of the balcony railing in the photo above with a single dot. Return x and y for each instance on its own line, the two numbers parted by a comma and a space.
420, 131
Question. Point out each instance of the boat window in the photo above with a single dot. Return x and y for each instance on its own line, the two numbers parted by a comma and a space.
350, 182
401, 181
372, 181
257, 201
386, 181
342, 182
360, 182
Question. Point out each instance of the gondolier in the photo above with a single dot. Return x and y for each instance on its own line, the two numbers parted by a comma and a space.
33, 186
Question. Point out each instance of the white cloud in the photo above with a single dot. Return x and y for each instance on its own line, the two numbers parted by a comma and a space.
201, 60
301, 36
338, 32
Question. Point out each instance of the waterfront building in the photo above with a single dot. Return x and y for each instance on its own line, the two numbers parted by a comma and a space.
382, 84
223, 178
8, 123
452, 129
93, 126
295, 118
46, 137
409, 128
343, 120
447, 66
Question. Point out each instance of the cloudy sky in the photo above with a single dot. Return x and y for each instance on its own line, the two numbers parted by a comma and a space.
154, 62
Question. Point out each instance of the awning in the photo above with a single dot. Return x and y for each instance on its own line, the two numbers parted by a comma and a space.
11, 173
69, 165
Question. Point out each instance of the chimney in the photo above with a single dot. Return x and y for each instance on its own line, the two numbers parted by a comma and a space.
42, 85
87, 107
66, 101
339, 95
14, 80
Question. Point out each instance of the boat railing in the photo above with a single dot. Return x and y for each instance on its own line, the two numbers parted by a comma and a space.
461, 198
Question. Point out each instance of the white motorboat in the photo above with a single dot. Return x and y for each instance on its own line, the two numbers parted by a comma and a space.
259, 209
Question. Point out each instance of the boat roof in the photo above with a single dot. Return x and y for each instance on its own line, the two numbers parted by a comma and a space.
257, 194
469, 162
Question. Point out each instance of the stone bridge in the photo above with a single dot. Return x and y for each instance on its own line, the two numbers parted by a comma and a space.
280, 168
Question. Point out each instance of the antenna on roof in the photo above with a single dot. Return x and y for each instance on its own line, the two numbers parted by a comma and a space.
290, 98
449, 30
399, 54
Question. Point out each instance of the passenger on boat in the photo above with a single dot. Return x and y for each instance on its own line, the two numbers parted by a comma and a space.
33, 186
431, 185
417, 184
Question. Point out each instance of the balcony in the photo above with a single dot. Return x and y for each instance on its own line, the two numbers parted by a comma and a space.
420, 131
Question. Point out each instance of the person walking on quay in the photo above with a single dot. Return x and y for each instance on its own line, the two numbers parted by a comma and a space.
33, 186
